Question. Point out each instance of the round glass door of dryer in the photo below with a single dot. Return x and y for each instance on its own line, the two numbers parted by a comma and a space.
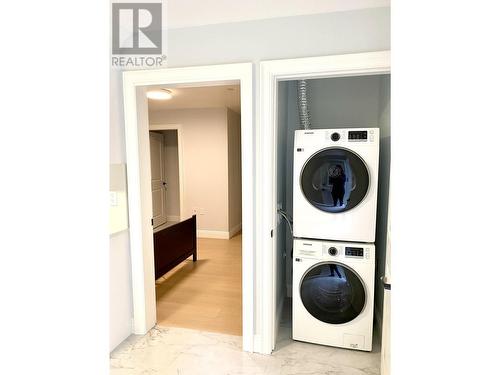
332, 293
335, 180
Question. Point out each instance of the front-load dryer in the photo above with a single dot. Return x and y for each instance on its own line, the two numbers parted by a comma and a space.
333, 289
335, 184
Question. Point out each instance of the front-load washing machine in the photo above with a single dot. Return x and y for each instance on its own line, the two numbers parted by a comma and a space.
335, 184
333, 291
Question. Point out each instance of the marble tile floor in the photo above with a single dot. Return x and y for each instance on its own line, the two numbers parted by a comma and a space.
180, 351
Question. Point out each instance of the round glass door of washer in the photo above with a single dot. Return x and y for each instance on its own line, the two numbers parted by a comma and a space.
335, 180
332, 293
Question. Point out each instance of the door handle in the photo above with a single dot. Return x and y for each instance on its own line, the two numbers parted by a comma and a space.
164, 184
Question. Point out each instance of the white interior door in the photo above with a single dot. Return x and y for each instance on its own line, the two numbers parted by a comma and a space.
156, 146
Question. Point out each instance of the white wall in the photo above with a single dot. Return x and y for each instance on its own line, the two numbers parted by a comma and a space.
120, 278
180, 12
234, 170
171, 155
205, 167
120, 285
278, 38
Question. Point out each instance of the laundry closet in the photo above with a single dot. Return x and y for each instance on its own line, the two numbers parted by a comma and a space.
356, 112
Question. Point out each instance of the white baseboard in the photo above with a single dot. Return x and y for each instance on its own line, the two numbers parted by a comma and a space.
173, 218
235, 230
219, 234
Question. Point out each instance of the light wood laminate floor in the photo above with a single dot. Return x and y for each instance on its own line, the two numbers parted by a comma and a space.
204, 295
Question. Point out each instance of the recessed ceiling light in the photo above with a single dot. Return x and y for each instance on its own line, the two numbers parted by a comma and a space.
160, 94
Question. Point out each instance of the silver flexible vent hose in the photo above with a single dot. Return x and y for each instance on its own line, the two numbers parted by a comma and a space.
305, 117
289, 221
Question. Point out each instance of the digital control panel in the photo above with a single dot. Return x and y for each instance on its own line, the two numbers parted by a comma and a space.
358, 135
354, 252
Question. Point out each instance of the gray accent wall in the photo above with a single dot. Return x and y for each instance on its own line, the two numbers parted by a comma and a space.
283, 235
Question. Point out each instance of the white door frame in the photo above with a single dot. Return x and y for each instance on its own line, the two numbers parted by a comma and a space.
139, 189
180, 158
270, 73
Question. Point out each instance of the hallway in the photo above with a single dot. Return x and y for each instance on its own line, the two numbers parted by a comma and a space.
204, 295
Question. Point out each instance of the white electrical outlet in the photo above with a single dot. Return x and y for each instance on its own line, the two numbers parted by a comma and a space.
198, 211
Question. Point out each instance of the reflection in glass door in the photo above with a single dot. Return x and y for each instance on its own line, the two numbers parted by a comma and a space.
335, 180
332, 293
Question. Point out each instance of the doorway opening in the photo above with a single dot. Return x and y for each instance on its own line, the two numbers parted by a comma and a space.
335, 102
195, 151
137, 127
165, 177
276, 97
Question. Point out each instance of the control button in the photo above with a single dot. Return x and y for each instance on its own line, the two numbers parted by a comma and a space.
333, 251
335, 137
371, 131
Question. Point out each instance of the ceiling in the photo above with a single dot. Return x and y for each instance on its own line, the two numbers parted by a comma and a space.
190, 13
199, 97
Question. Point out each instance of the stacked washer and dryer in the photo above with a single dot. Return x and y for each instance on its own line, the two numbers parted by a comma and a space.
334, 211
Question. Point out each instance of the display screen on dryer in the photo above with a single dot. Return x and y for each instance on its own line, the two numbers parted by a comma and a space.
354, 252
358, 135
